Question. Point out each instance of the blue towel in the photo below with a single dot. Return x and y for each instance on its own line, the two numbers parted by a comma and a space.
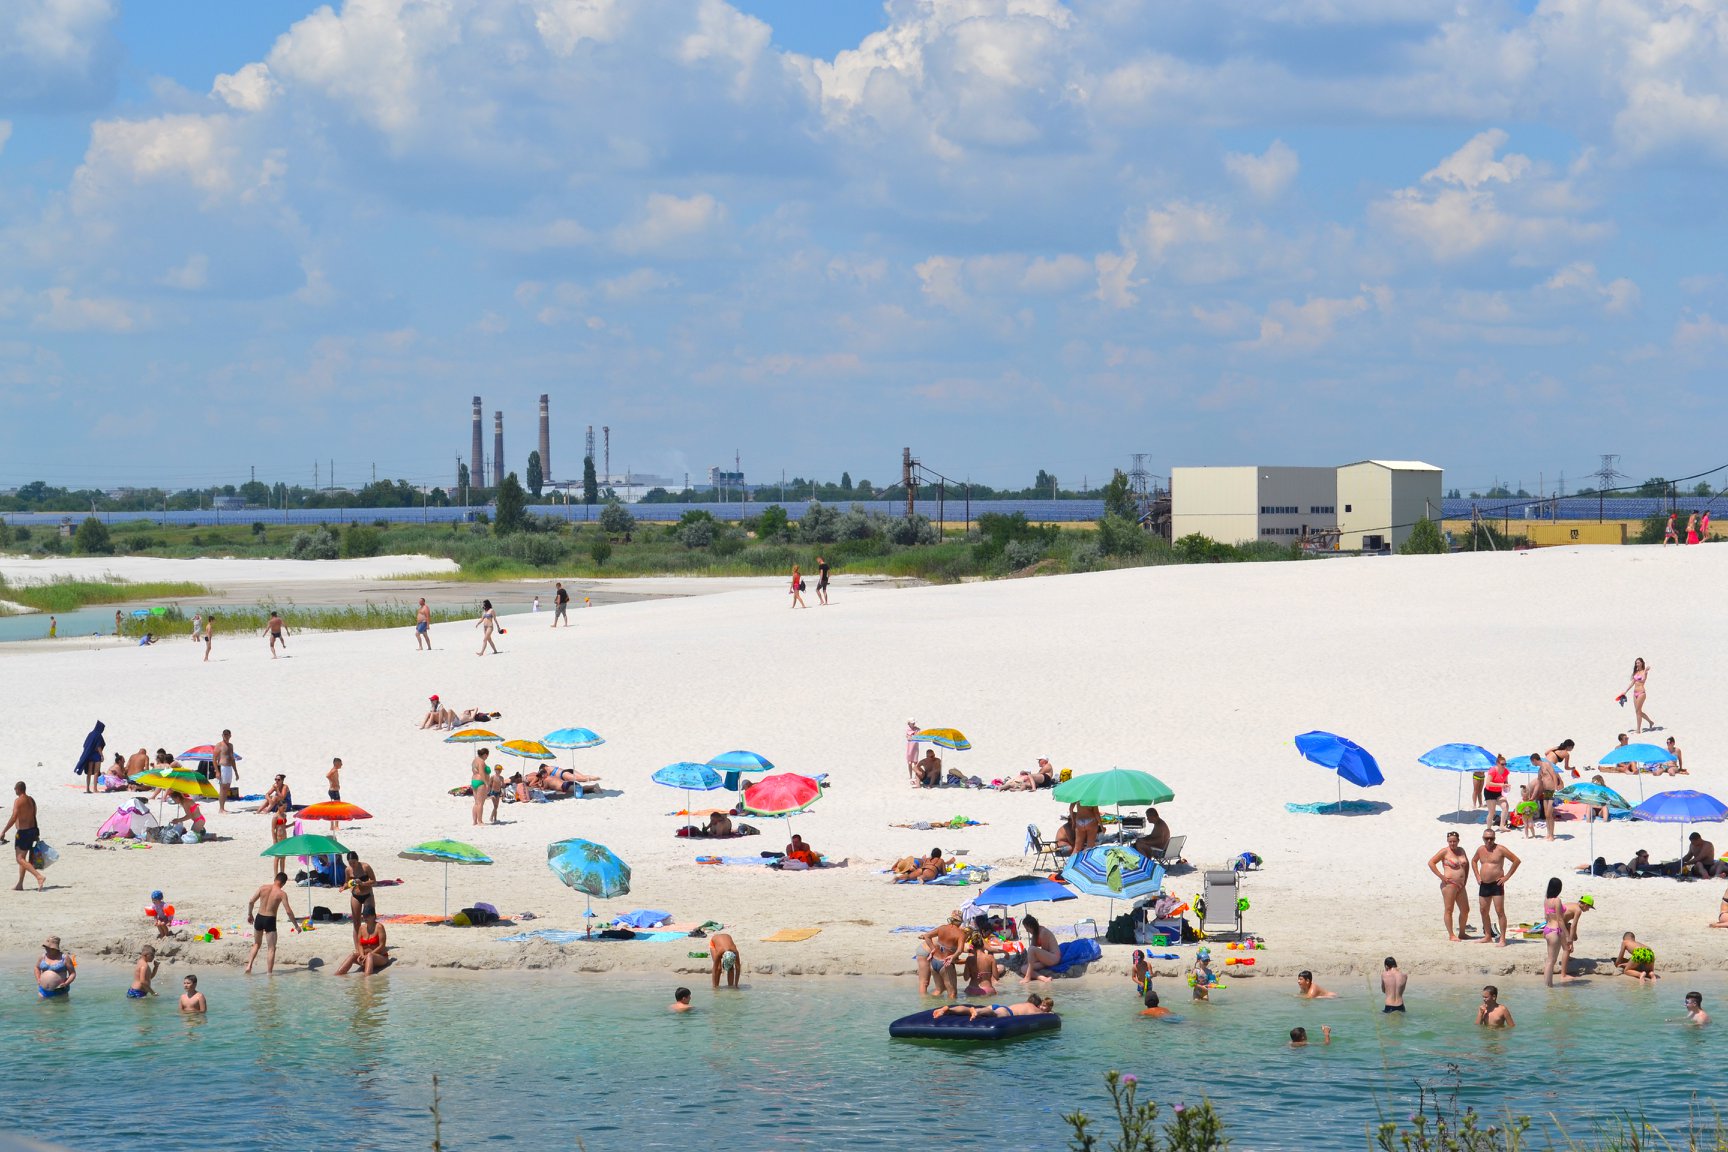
1334, 807
1076, 952
642, 918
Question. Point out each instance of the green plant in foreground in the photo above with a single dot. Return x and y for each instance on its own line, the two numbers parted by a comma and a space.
1195, 1128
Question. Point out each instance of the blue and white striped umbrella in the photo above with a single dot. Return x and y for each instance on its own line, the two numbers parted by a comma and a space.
1136, 875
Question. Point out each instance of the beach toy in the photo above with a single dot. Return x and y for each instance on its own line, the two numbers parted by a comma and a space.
1242, 904
1247, 960
215, 933
950, 1026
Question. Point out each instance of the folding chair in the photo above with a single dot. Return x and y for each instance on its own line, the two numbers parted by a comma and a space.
1172, 851
1222, 892
1044, 855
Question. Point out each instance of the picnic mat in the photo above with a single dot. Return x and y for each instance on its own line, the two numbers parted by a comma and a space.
412, 918
755, 861
572, 936
790, 935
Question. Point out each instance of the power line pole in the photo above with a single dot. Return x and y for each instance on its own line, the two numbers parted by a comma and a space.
1605, 475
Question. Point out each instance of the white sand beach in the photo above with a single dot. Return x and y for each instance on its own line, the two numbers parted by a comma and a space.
1200, 675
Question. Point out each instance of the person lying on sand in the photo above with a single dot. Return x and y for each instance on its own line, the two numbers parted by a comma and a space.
1043, 777
920, 868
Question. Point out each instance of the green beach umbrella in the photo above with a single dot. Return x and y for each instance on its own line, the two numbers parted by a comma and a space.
448, 852
306, 845
1116, 787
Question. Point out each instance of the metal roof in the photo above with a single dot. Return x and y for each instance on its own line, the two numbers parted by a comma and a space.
1399, 465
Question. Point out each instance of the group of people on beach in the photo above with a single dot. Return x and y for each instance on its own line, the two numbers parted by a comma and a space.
1697, 528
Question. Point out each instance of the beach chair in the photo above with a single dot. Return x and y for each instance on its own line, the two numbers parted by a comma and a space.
1222, 892
1044, 853
1172, 851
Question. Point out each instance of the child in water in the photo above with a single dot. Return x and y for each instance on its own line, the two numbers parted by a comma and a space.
1203, 979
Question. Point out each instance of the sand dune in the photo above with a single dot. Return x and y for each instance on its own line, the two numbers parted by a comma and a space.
1200, 675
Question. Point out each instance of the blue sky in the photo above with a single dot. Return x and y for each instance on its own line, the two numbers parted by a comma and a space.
1010, 234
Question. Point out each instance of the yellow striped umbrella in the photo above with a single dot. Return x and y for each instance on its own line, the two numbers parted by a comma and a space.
185, 783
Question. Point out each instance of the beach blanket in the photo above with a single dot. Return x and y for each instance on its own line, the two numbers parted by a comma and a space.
970, 874
572, 936
1334, 808
790, 935
411, 918
642, 918
956, 822
751, 861
1076, 953
920, 929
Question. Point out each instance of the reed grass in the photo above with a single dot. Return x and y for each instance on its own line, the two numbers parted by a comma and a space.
231, 618
65, 594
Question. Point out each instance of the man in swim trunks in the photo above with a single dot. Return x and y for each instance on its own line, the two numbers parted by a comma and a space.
1392, 982
560, 605
1153, 1008
1634, 959
1700, 858
1491, 1013
274, 627
422, 627
723, 951
1451, 866
822, 580
24, 817
943, 943
1490, 863
1306, 989
227, 771
268, 900
143, 974
192, 1000
361, 878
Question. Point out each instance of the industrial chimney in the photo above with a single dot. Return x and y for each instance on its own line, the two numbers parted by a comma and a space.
497, 449
477, 452
545, 439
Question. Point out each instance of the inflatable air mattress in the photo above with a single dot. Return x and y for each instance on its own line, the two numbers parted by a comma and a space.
957, 1026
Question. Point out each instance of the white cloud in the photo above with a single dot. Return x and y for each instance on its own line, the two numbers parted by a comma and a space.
1478, 163
190, 276
939, 280
1578, 281
65, 312
1116, 283
637, 283
671, 221
249, 89
1267, 175
56, 54
1291, 327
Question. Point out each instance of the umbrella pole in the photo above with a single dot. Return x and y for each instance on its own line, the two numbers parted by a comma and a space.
446, 889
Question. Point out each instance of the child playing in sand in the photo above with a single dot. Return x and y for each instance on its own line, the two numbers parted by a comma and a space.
159, 914
1635, 959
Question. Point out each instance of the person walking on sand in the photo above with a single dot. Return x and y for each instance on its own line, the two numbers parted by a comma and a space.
1669, 535
1392, 982
209, 631
422, 627
1452, 867
912, 747
24, 818
822, 580
267, 901
1494, 793
1489, 863
227, 770
274, 628
1637, 689
1547, 784
1692, 528
1704, 527
723, 951
487, 623
197, 625
478, 776
798, 588
560, 605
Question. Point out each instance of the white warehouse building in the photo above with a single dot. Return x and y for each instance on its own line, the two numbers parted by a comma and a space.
1241, 504
1369, 505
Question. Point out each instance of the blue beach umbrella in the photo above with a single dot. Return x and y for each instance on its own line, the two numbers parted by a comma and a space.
1458, 758
1598, 795
1642, 755
572, 738
690, 777
736, 763
1347, 758
1682, 806
589, 868
1018, 890
1115, 872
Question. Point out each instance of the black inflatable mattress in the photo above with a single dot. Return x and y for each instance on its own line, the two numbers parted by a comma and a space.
957, 1026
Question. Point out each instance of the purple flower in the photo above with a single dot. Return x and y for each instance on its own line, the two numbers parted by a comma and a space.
1130, 1078
1181, 1108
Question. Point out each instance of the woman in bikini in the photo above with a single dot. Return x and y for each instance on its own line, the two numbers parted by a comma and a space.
1494, 793
371, 949
1087, 821
1554, 933
478, 774
488, 623
1640, 677
1561, 757
1041, 949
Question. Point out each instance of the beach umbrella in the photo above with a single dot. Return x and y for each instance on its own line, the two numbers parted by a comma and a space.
94, 745
572, 738
1114, 872
1347, 758
1018, 890
1641, 755
527, 750
447, 852
1117, 786
1458, 758
951, 738
308, 845
202, 754
781, 795
181, 781
690, 777
1682, 806
473, 736
335, 811
739, 760
1597, 795
589, 868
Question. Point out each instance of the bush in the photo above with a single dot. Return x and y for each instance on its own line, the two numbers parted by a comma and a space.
1653, 529
696, 533
907, 531
821, 524
727, 543
1197, 549
600, 552
141, 543
615, 520
258, 529
22, 533
318, 544
359, 542
92, 538
1424, 540
1087, 557
1019, 554
772, 524
859, 524
540, 551
1120, 536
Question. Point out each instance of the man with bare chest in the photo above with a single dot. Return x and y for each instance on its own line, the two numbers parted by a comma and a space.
1494, 865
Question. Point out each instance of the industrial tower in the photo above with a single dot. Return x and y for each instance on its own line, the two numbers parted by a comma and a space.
545, 439
498, 449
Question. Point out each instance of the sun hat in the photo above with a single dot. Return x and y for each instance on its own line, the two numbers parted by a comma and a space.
51, 942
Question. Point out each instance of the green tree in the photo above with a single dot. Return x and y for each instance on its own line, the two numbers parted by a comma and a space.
1424, 540
590, 482
615, 520
1655, 486
846, 481
1702, 488
1119, 498
92, 538
512, 513
536, 477
256, 492
600, 551
462, 478
772, 523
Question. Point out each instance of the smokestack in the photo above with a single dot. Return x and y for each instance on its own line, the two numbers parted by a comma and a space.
477, 452
545, 439
497, 449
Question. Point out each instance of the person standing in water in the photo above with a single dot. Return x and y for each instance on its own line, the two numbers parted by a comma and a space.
487, 623
268, 900
1637, 689
192, 1000
1392, 982
723, 951
142, 974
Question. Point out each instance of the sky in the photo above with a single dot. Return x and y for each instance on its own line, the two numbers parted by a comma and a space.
1011, 235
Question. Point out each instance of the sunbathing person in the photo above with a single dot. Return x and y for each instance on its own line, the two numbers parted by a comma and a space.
518, 789
1041, 948
1088, 821
1721, 920
920, 868
279, 798
576, 783
1043, 777
1035, 1005
719, 825
371, 948
474, 716
798, 850
1700, 858
1063, 845
437, 716
927, 773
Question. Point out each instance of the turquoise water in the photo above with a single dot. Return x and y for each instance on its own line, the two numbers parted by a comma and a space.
82, 622
310, 1061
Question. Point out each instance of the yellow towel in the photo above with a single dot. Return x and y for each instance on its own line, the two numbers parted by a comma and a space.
790, 935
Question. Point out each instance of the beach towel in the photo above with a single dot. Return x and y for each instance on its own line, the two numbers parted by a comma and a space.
754, 861
970, 874
920, 929
955, 822
411, 918
1076, 954
642, 918
571, 936
790, 935
1334, 808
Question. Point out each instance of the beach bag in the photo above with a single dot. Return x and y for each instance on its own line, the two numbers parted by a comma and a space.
1121, 930
480, 916
801, 585
321, 914
42, 855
